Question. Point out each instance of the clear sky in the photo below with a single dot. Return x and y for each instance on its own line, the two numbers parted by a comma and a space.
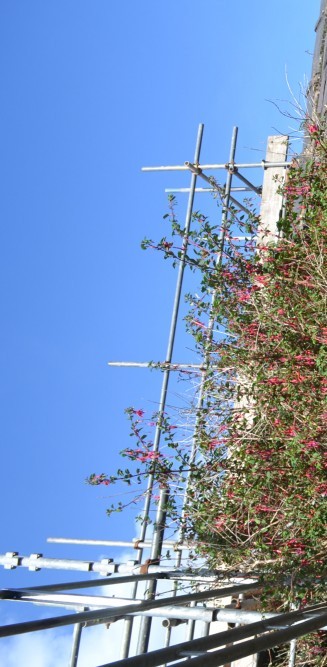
90, 92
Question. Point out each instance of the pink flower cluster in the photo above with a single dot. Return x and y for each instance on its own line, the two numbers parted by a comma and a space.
100, 479
142, 455
297, 190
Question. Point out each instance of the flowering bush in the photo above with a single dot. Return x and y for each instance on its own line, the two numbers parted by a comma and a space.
269, 508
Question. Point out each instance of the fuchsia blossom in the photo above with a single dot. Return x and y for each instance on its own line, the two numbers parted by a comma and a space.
264, 508
322, 489
298, 378
149, 456
298, 190
243, 295
198, 324
261, 280
305, 358
142, 455
216, 442
290, 431
311, 444
139, 413
275, 381
323, 335
96, 480
313, 129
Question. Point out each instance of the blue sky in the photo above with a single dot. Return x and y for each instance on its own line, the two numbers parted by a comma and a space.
91, 91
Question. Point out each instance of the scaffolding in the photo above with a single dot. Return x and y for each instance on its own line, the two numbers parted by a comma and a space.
202, 603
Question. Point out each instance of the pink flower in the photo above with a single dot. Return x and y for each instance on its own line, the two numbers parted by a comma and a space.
139, 413
261, 280
322, 489
298, 378
264, 508
306, 358
311, 444
290, 431
323, 335
100, 479
145, 456
275, 381
313, 129
243, 295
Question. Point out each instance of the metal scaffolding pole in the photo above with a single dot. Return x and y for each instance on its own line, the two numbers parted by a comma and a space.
106, 566
136, 544
145, 626
162, 365
138, 572
297, 624
181, 190
205, 364
194, 613
196, 170
244, 180
206, 360
117, 612
77, 635
242, 165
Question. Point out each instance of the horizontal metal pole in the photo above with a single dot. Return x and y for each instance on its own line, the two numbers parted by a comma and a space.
136, 544
11, 560
205, 614
200, 576
206, 189
106, 566
107, 614
265, 642
94, 583
80, 602
148, 364
241, 165
223, 656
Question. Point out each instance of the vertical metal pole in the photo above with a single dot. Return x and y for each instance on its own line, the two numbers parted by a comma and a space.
76, 644
292, 657
190, 627
293, 645
224, 221
155, 553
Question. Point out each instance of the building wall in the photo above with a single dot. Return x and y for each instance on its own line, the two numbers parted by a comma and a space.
318, 84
